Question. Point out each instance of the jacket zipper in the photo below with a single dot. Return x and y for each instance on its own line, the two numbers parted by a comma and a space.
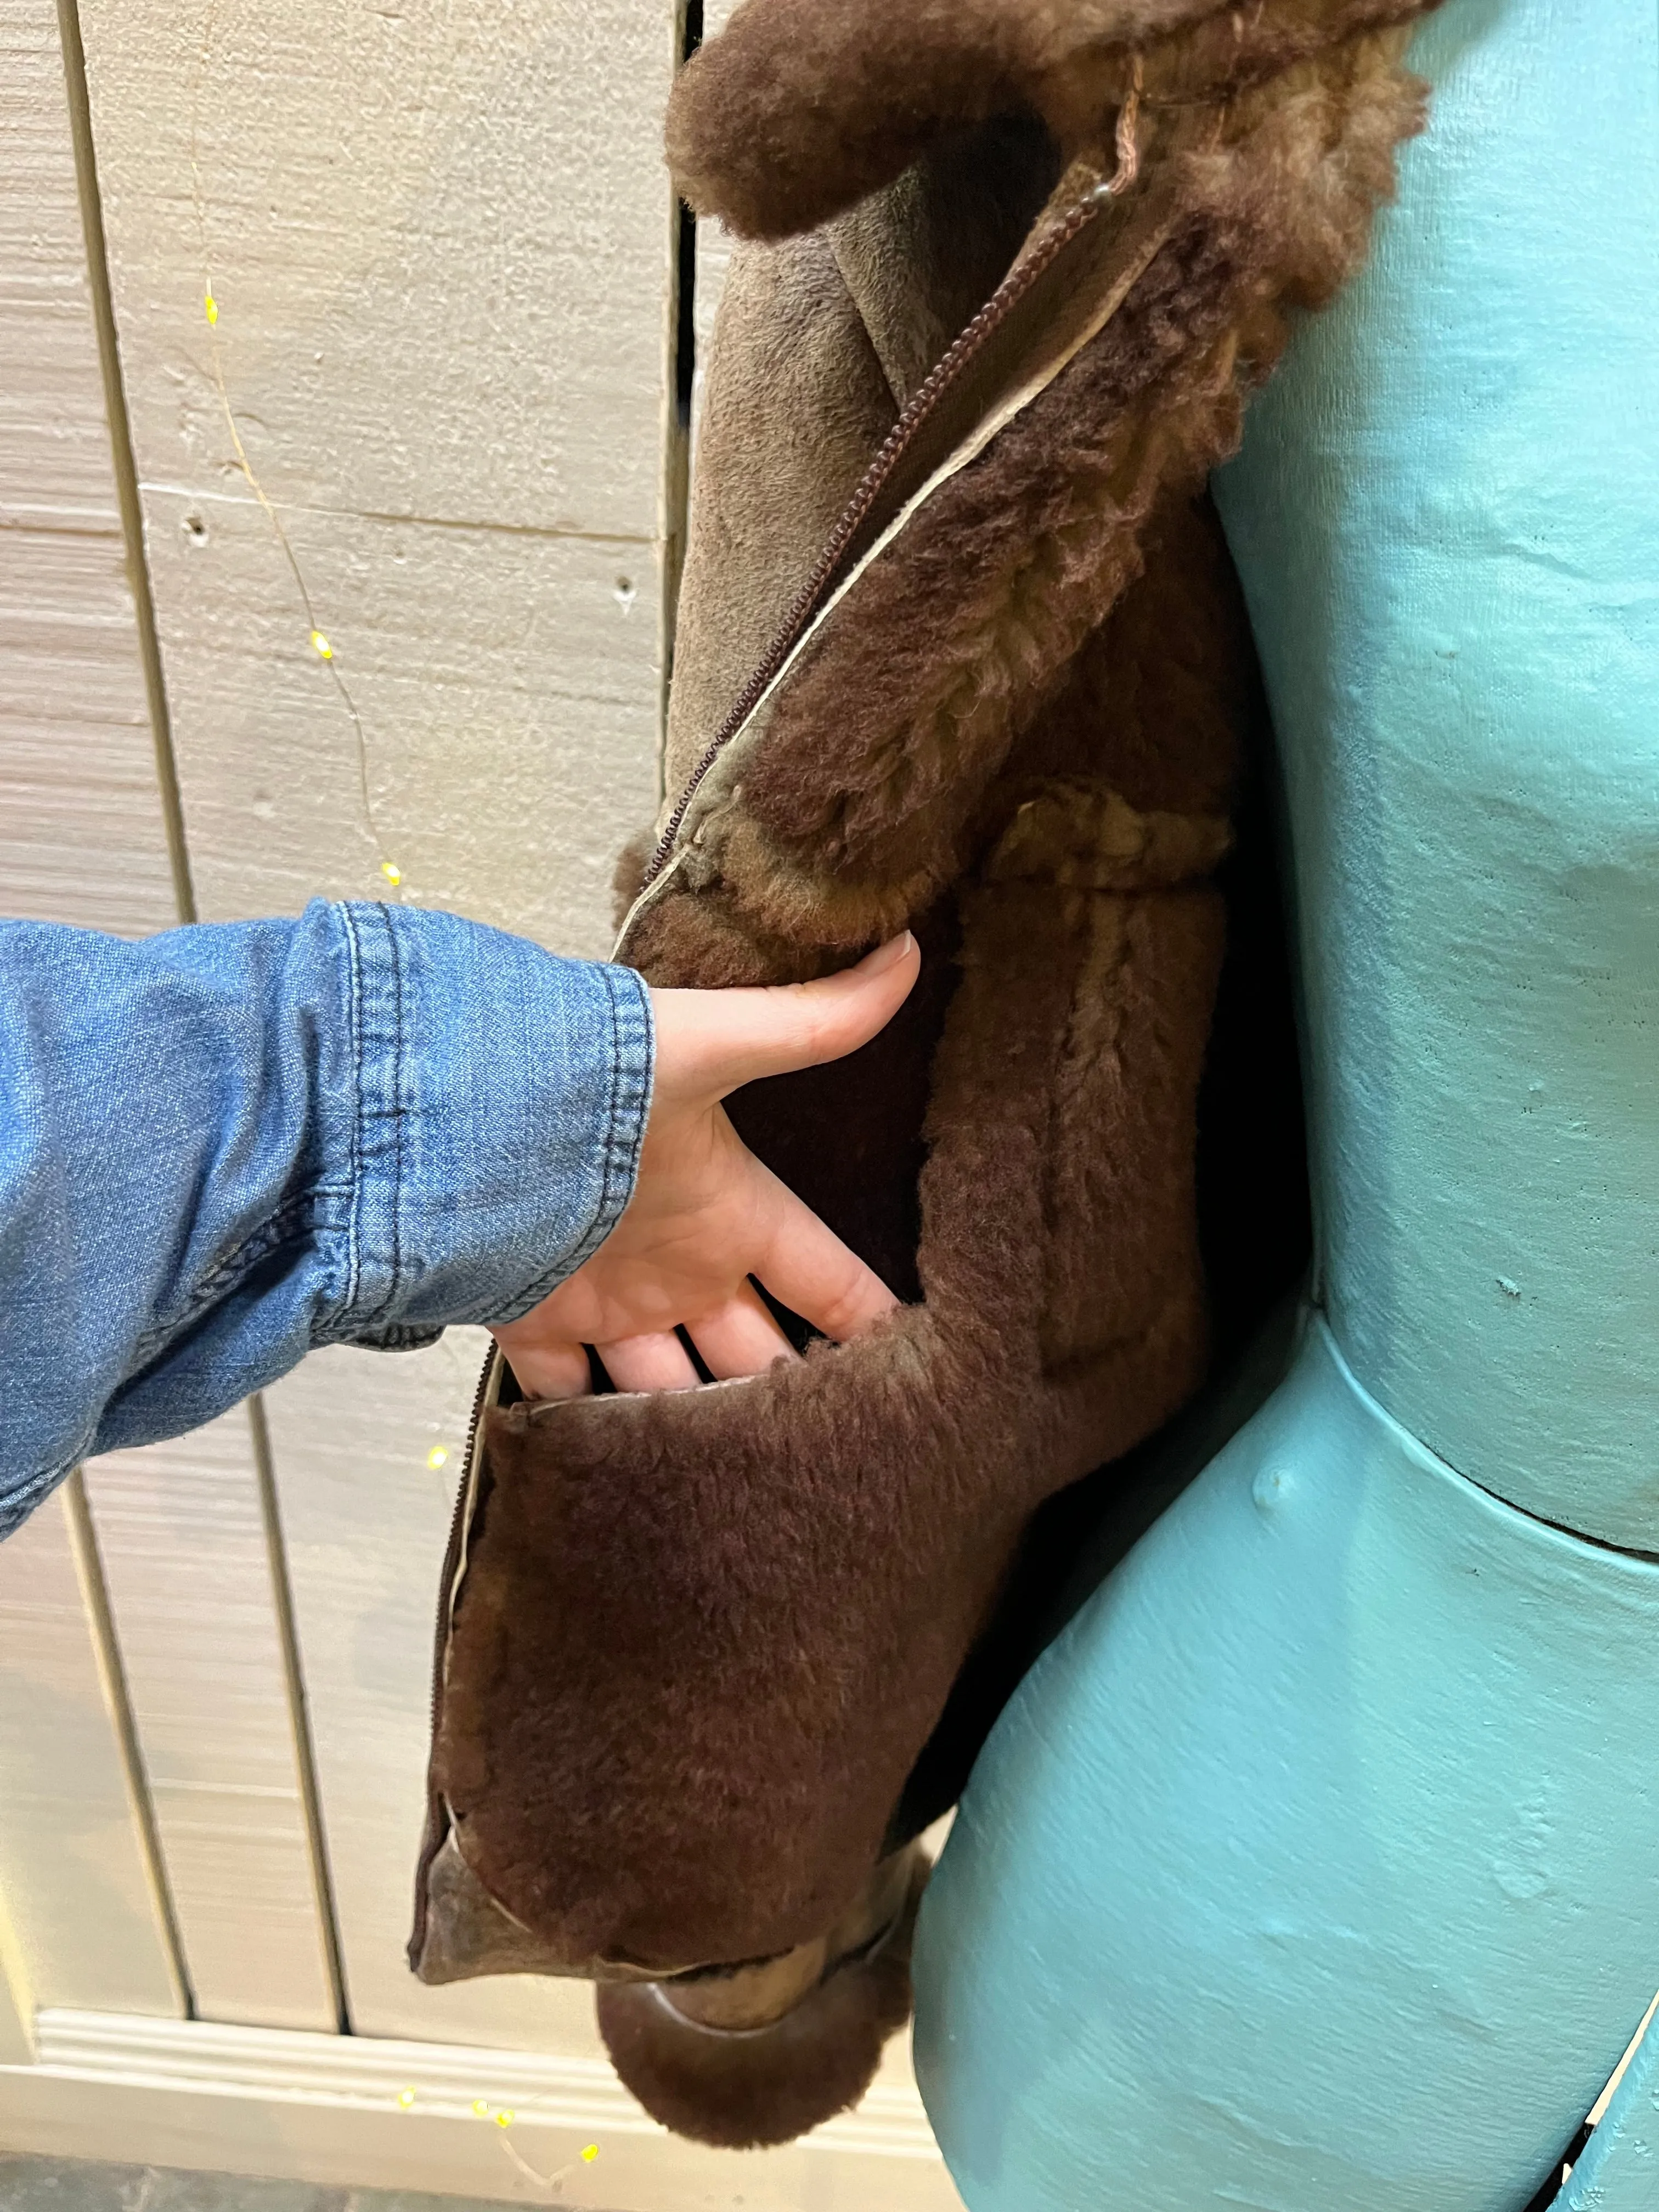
437, 1812
452, 1547
923, 404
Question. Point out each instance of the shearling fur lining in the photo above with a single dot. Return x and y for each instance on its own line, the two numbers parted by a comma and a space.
803, 106
742, 1687
1091, 839
932, 665
741, 2091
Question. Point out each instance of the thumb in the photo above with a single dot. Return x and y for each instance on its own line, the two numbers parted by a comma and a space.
711, 1042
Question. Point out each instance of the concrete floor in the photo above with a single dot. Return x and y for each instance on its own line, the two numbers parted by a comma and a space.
55, 2184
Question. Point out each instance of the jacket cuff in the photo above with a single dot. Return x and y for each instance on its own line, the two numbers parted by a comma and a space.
499, 1104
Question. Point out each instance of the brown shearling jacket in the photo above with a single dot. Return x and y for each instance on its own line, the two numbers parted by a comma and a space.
959, 649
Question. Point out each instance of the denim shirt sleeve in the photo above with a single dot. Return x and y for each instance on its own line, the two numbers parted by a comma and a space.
223, 1146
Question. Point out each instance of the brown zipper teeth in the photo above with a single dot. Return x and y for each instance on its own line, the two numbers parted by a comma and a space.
437, 1823
897, 443
452, 1547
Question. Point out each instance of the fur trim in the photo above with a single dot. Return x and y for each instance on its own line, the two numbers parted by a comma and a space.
833, 332
742, 2090
859, 799
801, 107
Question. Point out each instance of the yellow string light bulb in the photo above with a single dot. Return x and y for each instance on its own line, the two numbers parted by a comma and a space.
211, 307
481, 2106
405, 2098
391, 872
504, 2119
437, 1458
321, 646
591, 2151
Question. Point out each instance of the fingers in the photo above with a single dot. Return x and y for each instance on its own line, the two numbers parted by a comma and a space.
547, 1371
740, 1338
648, 1362
710, 1042
807, 1268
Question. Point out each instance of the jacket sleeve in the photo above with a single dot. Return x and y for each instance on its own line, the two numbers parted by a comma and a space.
223, 1146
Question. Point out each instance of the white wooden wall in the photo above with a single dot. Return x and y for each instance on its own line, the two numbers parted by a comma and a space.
82, 839
429, 417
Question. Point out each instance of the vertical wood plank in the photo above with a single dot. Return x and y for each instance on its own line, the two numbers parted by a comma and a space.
84, 837
113, 1682
182, 1539
494, 672
71, 1874
16, 1998
438, 246
432, 420
81, 838
366, 1516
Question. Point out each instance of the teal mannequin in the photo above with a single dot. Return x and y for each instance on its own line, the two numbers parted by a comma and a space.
1316, 1868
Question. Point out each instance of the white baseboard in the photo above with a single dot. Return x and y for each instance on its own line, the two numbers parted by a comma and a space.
357, 2111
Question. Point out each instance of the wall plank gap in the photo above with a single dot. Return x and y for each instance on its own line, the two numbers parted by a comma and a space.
679, 384
185, 1539
304, 1755
112, 1674
120, 438
73, 1888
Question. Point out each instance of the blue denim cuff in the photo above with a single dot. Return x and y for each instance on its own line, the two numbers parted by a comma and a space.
231, 1142
501, 1102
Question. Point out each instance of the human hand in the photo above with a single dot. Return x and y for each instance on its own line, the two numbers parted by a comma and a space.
706, 1215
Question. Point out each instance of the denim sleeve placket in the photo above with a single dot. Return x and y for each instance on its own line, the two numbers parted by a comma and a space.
374, 1249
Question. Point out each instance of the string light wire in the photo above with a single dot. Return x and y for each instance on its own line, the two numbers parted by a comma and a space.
553, 2183
503, 2117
